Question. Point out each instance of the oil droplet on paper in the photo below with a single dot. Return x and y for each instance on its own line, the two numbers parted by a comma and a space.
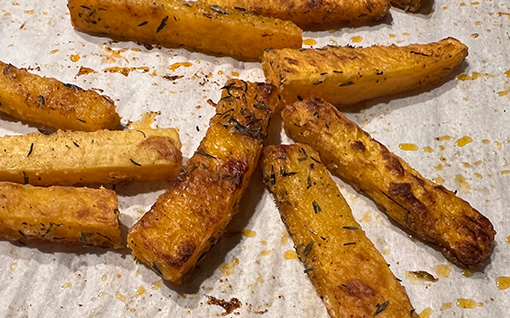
473, 76
505, 172
428, 149
67, 285
461, 142
126, 70
466, 303
419, 277
438, 180
29, 11
366, 217
486, 141
228, 269
503, 282
140, 291
249, 233
408, 147
461, 182
309, 42
13, 266
478, 162
75, 58
466, 165
508, 239
265, 253
478, 175
175, 66
54, 51
468, 273
443, 138
104, 277
157, 284
446, 306
425, 313
443, 270
120, 297
439, 167
356, 39
503, 93
84, 71
333, 42
507, 73
145, 122
290, 254
498, 144
285, 238
235, 74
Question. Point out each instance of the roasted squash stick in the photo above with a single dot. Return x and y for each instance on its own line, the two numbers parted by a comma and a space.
59, 214
314, 15
434, 213
348, 272
104, 157
347, 75
175, 23
186, 220
52, 103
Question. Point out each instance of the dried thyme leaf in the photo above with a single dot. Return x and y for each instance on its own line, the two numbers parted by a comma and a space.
380, 308
316, 207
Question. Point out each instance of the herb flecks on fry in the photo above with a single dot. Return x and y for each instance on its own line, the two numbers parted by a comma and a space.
434, 213
346, 269
193, 213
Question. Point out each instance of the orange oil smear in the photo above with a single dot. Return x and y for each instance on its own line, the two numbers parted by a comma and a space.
466, 303
503, 282
235, 74
140, 291
461, 142
443, 138
438, 180
290, 254
84, 71
114, 55
309, 42
126, 70
461, 182
175, 66
228, 269
408, 147
425, 313
75, 57
145, 122
265, 253
249, 233
473, 76
428, 149
503, 93
443, 270
54, 51
507, 73
505, 172
446, 306
120, 297
356, 39
468, 273
157, 284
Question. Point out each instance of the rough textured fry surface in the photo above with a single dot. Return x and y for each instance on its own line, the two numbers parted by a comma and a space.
314, 15
407, 5
174, 23
190, 216
71, 158
434, 213
59, 214
347, 75
52, 103
346, 269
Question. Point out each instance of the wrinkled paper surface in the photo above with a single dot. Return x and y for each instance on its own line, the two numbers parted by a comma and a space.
250, 262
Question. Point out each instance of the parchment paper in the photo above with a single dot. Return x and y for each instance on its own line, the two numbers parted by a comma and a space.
249, 262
